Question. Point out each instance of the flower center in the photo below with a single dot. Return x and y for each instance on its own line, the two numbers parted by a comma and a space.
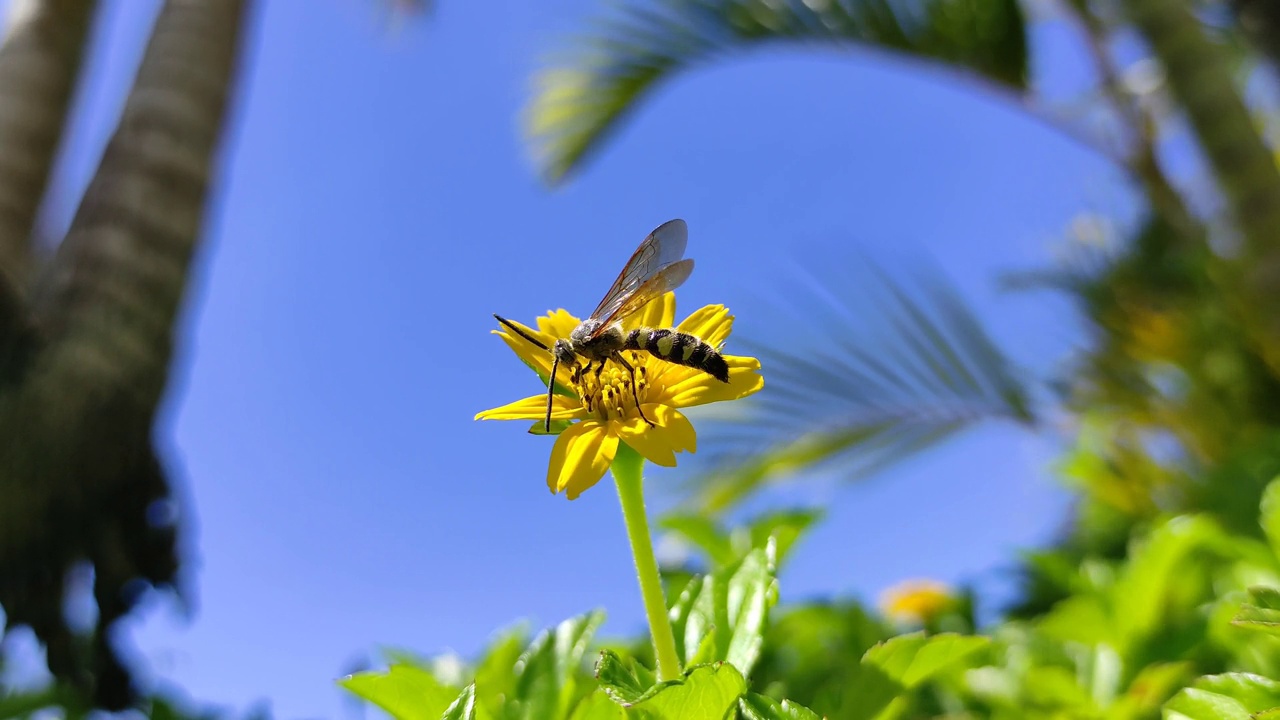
606, 391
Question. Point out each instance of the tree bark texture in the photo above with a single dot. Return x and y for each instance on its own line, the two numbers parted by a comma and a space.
79, 474
40, 60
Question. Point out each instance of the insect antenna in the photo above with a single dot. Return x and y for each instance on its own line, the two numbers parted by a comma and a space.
516, 329
555, 363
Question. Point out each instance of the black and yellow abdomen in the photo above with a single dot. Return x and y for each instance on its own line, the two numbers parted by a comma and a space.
679, 348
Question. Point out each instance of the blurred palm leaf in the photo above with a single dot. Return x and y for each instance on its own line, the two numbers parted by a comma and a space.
900, 368
579, 101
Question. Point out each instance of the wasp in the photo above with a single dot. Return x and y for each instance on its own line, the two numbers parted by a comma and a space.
657, 267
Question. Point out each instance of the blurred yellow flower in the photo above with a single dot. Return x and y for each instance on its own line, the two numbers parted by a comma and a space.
601, 406
916, 600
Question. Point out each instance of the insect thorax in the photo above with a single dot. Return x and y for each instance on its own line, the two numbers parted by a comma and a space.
600, 347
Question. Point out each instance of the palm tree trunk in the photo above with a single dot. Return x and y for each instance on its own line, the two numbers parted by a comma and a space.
1199, 76
80, 477
39, 62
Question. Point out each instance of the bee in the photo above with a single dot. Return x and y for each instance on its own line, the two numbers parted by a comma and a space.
657, 267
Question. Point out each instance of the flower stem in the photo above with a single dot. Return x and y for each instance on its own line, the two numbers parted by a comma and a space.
628, 474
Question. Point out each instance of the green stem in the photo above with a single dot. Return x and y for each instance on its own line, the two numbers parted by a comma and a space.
628, 474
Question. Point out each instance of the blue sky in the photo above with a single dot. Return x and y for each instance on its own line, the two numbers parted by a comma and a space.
377, 203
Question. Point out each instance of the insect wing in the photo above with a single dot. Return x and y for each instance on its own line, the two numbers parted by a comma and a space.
668, 278
662, 249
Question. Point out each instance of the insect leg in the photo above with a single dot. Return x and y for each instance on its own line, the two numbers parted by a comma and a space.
635, 390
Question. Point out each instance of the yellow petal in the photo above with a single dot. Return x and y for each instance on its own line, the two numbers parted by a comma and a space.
660, 313
535, 408
672, 428
712, 324
700, 388
533, 355
651, 445
581, 455
557, 324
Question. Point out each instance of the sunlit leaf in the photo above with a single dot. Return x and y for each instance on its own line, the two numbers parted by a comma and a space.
463, 707
1141, 592
1229, 696
619, 680
1261, 612
913, 659
722, 616
404, 691
598, 706
1270, 514
724, 548
634, 48
1255, 692
754, 706
495, 672
900, 367
706, 692
704, 533
547, 671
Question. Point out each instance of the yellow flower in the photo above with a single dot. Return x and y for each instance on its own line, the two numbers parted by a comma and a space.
601, 404
920, 600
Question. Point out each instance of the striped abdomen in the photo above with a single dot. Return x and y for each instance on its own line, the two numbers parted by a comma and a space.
679, 348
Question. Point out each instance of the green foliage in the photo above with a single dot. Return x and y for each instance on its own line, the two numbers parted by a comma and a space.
642, 44
1261, 612
1228, 696
722, 616
404, 691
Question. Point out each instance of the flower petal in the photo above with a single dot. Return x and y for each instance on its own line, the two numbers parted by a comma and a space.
660, 313
580, 457
535, 408
672, 427
652, 445
700, 388
532, 355
557, 324
712, 324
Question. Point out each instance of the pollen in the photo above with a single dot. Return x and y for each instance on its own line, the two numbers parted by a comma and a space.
606, 391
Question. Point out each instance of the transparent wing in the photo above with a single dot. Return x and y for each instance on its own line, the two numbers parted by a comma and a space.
661, 250
668, 278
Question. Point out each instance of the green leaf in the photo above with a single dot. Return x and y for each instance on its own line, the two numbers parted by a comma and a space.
546, 675
404, 691
704, 533
912, 659
1079, 618
618, 678
1141, 592
722, 616
844, 409
1153, 686
642, 44
598, 706
495, 673
1261, 612
464, 707
784, 528
1255, 692
1270, 514
759, 707
706, 692
1196, 704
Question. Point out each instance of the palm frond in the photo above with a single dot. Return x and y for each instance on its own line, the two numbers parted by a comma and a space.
901, 367
580, 100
